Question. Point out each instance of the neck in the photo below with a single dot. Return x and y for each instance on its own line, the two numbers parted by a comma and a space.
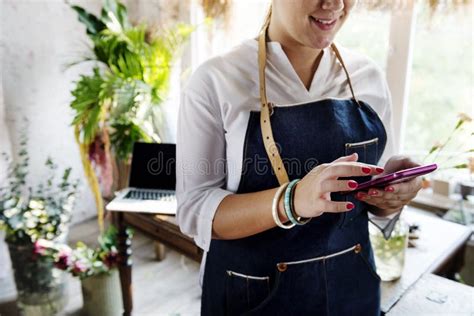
304, 59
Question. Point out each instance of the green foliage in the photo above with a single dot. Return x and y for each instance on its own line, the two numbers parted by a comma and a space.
132, 77
27, 214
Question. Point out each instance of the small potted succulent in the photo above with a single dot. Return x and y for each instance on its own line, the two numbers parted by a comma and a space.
28, 214
96, 267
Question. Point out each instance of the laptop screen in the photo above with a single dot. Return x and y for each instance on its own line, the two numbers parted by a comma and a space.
153, 166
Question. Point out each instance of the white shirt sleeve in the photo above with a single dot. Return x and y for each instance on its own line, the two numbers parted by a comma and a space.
200, 160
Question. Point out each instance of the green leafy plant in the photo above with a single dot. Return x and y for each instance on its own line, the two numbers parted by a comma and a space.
119, 103
27, 213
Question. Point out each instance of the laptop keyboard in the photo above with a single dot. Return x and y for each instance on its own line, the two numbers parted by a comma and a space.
150, 195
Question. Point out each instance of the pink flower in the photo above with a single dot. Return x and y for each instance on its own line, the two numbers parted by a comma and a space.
64, 259
41, 245
78, 267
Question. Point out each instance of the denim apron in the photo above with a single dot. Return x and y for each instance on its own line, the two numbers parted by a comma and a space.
325, 267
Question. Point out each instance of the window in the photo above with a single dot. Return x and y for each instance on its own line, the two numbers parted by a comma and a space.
441, 82
367, 32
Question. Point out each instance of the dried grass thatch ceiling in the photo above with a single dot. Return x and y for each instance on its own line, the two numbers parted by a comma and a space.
220, 8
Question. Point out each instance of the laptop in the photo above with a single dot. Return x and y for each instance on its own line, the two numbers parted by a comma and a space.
152, 181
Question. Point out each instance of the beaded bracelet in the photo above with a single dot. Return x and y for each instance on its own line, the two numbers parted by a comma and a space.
289, 204
276, 199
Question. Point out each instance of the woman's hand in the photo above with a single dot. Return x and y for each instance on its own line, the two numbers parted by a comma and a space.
394, 196
313, 192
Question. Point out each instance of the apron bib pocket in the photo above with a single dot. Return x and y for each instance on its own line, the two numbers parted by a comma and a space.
367, 150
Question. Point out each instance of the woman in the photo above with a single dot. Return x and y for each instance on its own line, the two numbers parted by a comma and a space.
269, 135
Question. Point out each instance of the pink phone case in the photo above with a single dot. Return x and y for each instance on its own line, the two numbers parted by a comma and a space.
396, 177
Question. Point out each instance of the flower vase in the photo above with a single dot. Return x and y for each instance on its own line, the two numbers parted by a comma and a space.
40, 286
102, 294
389, 254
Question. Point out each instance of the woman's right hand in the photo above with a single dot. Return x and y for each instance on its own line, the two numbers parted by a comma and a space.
313, 192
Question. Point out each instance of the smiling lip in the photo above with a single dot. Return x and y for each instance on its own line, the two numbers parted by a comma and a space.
323, 24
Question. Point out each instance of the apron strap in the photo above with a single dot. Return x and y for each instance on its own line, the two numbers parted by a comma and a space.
339, 57
265, 126
267, 108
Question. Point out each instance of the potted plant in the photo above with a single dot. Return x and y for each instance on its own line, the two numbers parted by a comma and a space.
96, 267
28, 214
119, 102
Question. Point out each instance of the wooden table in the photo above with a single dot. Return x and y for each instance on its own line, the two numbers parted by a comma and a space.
434, 295
439, 250
161, 228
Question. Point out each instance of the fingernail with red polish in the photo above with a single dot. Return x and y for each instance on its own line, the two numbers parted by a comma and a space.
389, 189
360, 195
365, 170
379, 170
350, 206
373, 192
352, 184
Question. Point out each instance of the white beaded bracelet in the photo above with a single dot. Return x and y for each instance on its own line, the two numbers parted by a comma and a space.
276, 199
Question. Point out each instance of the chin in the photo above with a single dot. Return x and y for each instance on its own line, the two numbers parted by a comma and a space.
321, 43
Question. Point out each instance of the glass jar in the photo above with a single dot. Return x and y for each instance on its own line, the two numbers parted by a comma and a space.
389, 254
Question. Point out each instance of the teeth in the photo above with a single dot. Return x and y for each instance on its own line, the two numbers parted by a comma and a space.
324, 22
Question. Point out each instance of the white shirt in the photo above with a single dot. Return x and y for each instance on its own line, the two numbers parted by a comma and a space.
214, 113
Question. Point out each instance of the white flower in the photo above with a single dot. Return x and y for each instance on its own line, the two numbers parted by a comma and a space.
37, 212
36, 205
11, 212
48, 227
31, 223
10, 203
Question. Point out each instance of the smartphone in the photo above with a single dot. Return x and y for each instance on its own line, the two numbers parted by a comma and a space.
396, 177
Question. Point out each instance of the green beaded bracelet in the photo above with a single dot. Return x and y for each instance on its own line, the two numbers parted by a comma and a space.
289, 204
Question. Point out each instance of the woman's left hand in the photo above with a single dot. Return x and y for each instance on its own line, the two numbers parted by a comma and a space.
393, 197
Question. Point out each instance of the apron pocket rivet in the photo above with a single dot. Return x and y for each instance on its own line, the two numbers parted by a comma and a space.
282, 267
357, 248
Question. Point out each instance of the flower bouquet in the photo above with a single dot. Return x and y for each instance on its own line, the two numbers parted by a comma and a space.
96, 267
28, 214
